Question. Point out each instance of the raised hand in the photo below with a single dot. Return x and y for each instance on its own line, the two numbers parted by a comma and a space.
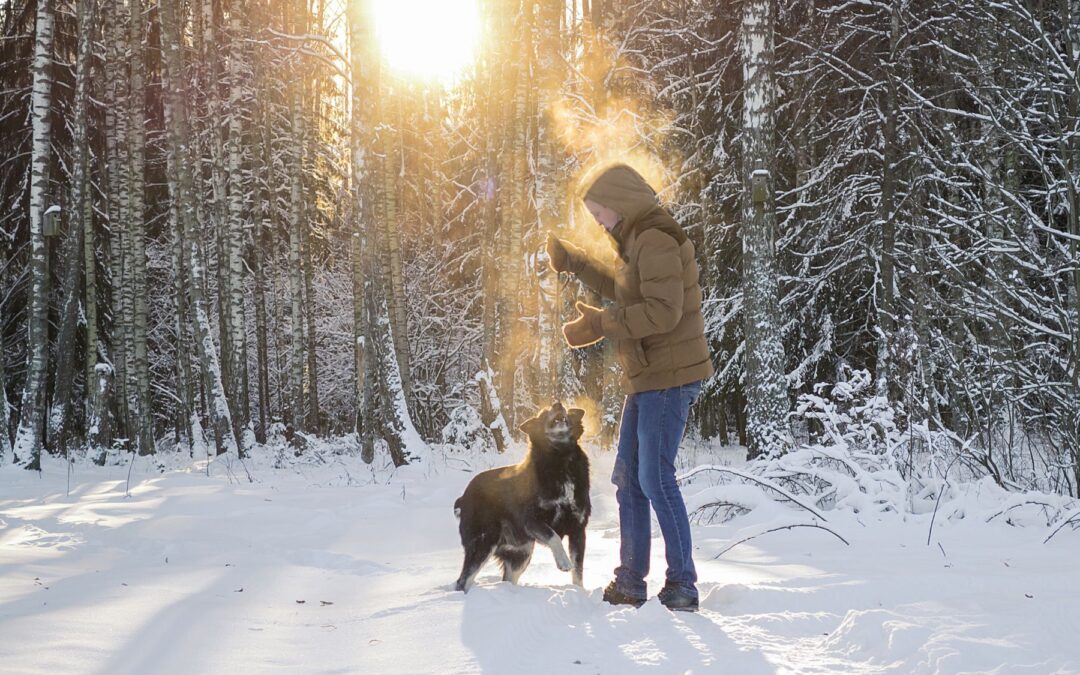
558, 259
585, 329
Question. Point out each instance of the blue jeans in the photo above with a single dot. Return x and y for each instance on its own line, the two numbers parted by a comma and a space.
652, 426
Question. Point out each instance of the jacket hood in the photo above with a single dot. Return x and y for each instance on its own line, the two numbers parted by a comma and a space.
624, 190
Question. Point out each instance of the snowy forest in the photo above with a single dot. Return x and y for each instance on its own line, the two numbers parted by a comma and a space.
279, 302
228, 223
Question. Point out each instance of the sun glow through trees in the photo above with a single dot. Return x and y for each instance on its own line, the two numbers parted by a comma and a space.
428, 39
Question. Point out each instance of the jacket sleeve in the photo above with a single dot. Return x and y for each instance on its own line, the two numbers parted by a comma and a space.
592, 274
660, 270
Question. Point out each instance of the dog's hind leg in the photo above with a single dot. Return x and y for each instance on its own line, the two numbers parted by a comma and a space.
577, 553
547, 536
515, 561
477, 553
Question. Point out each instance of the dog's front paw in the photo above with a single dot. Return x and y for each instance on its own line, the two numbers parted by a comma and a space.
563, 563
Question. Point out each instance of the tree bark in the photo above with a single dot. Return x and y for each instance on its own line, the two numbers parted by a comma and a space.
118, 195
188, 418
90, 307
391, 142
135, 291
213, 50
388, 337
1071, 149
767, 400
59, 421
61, 418
360, 59
179, 137
238, 372
491, 413
511, 263
296, 326
5, 415
314, 417
28, 439
886, 301
266, 223
99, 422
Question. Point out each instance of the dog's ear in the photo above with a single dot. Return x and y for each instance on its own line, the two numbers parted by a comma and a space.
531, 427
576, 415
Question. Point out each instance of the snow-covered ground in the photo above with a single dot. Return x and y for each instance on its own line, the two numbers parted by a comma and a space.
336, 569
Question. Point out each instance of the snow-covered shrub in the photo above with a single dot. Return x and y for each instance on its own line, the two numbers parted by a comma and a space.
466, 432
853, 457
845, 460
848, 461
849, 414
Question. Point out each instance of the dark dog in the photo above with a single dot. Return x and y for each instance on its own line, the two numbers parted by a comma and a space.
505, 511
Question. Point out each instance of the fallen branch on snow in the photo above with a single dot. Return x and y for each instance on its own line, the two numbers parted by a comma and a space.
1074, 516
754, 479
1028, 502
779, 528
740, 509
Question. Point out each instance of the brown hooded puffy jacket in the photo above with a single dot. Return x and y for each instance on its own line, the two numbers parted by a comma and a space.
656, 320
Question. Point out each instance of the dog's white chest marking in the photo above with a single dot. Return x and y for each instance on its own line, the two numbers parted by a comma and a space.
563, 502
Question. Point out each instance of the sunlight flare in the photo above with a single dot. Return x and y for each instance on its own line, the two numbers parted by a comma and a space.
428, 39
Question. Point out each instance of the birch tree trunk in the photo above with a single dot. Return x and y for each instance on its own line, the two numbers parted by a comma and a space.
1071, 150
767, 401
28, 440
314, 417
179, 138
212, 50
60, 417
90, 307
5, 416
391, 135
296, 325
59, 422
356, 251
6, 408
389, 342
98, 421
550, 189
511, 261
268, 221
116, 134
491, 413
360, 56
238, 388
402, 439
188, 418
602, 379
135, 242
188, 423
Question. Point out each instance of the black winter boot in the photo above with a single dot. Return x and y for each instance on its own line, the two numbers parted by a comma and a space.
614, 596
677, 599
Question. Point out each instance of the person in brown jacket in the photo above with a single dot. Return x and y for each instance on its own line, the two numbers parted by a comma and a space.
655, 320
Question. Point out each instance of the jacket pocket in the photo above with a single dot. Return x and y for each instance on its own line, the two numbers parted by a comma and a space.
632, 357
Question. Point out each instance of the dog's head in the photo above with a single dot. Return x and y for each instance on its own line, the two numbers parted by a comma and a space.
555, 425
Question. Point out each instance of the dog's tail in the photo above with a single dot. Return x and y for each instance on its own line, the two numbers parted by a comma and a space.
457, 508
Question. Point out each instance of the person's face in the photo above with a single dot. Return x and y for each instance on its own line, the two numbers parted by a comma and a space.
608, 218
